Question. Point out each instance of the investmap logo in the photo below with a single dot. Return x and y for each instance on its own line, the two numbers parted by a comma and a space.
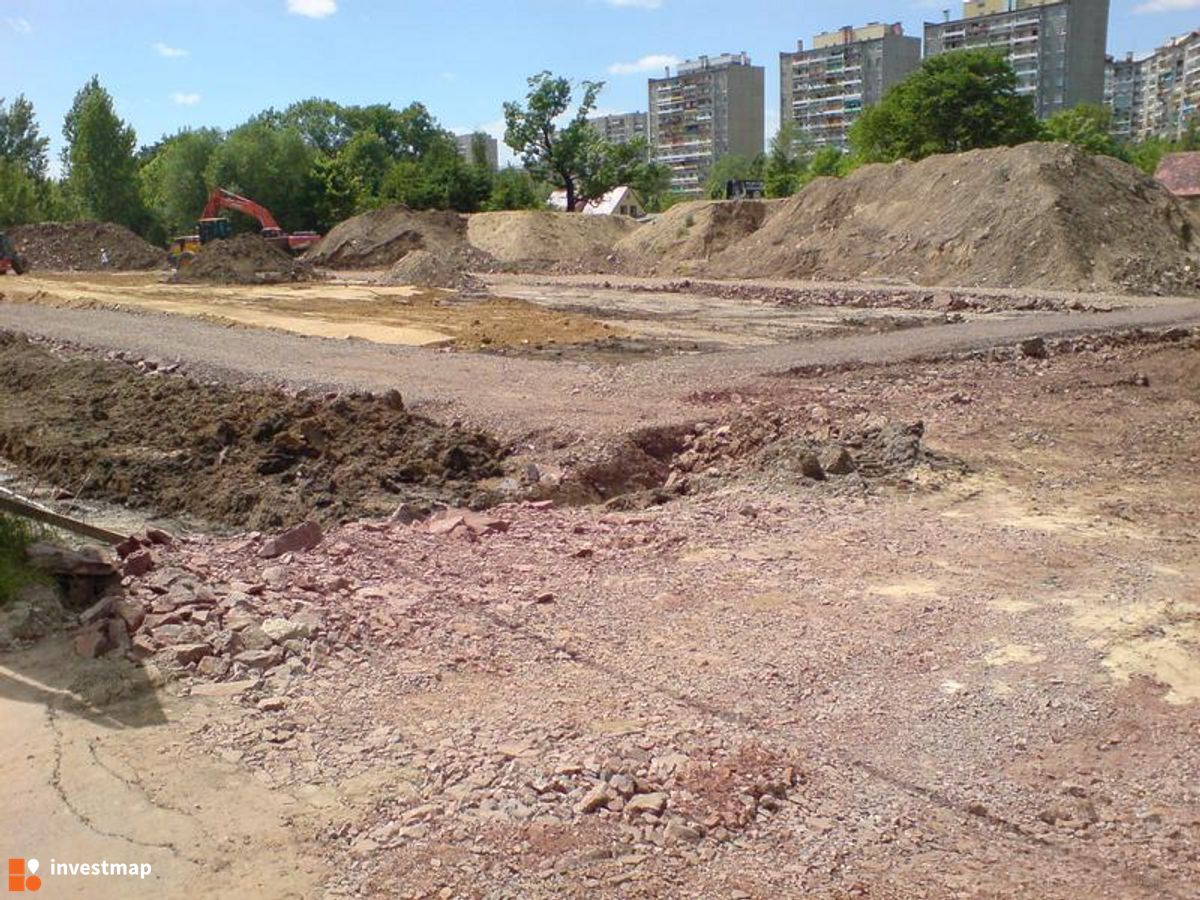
22, 875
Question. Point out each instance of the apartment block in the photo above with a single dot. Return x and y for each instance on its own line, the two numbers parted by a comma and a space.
1169, 88
466, 143
620, 128
1056, 47
710, 107
1123, 95
823, 90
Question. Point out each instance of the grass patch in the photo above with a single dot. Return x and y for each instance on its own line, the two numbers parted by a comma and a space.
15, 535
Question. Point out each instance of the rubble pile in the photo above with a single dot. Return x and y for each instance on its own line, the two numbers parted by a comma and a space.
77, 246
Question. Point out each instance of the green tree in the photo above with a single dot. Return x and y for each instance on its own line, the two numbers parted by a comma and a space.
20, 140
514, 188
1086, 126
272, 165
1147, 154
571, 156
953, 102
828, 161
103, 176
173, 186
20, 198
787, 161
367, 159
732, 167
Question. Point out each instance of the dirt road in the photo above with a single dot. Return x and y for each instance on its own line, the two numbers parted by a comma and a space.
519, 396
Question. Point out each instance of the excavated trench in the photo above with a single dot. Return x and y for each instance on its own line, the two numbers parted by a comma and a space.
157, 442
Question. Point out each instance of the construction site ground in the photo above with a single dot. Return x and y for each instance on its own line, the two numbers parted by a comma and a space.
978, 676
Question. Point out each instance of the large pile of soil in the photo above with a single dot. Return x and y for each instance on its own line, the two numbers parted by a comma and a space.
1037, 215
382, 237
688, 234
245, 458
243, 259
71, 246
540, 239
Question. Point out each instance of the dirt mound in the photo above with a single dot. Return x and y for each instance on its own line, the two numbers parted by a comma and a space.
243, 259
424, 268
539, 239
1038, 215
384, 236
685, 236
72, 246
244, 458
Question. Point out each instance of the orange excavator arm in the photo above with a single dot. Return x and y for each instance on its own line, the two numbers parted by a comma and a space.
221, 199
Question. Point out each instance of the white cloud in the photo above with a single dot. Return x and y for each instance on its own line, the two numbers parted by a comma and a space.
1158, 6
313, 9
639, 4
166, 50
189, 99
652, 63
20, 25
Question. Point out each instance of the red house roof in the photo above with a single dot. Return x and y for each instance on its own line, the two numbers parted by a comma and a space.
1180, 172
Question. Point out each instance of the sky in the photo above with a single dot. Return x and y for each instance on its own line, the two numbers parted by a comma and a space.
191, 63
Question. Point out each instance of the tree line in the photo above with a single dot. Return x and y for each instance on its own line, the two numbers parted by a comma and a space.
318, 162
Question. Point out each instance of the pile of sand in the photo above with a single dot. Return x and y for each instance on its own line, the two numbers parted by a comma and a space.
1038, 215
542, 239
683, 238
243, 259
72, 246
382, 237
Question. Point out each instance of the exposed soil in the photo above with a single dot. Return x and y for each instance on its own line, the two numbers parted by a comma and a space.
1037, 215
382, 237
70, 246
431, 269
243, 259
236, 457
687, 235
540, 239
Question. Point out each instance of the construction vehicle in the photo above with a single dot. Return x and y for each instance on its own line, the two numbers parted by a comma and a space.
212, 226
10, 258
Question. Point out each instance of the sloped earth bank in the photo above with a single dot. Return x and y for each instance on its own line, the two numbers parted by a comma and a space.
146, 438
686, 236
1038, 215
968, 686
530, 240
382, 237
69, 246
243, 259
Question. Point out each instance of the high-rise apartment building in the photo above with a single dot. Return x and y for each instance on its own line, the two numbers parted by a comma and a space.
1056, 47
1123, 95
620, 128
710, 107
823, 90
491, 148
1169, 88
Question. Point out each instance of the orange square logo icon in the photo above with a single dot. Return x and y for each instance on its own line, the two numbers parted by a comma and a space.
21, 877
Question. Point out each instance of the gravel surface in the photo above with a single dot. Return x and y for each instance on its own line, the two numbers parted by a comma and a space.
522, 396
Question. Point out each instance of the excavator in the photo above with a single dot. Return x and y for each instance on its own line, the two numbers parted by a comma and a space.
10, 258
212, 226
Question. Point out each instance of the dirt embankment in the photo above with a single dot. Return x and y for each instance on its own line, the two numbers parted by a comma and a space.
539, 239
75, 246
243, 259
382, 237
244, 458
1038, 215
683, 238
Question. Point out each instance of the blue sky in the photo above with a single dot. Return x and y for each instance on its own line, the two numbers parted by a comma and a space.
215, 62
